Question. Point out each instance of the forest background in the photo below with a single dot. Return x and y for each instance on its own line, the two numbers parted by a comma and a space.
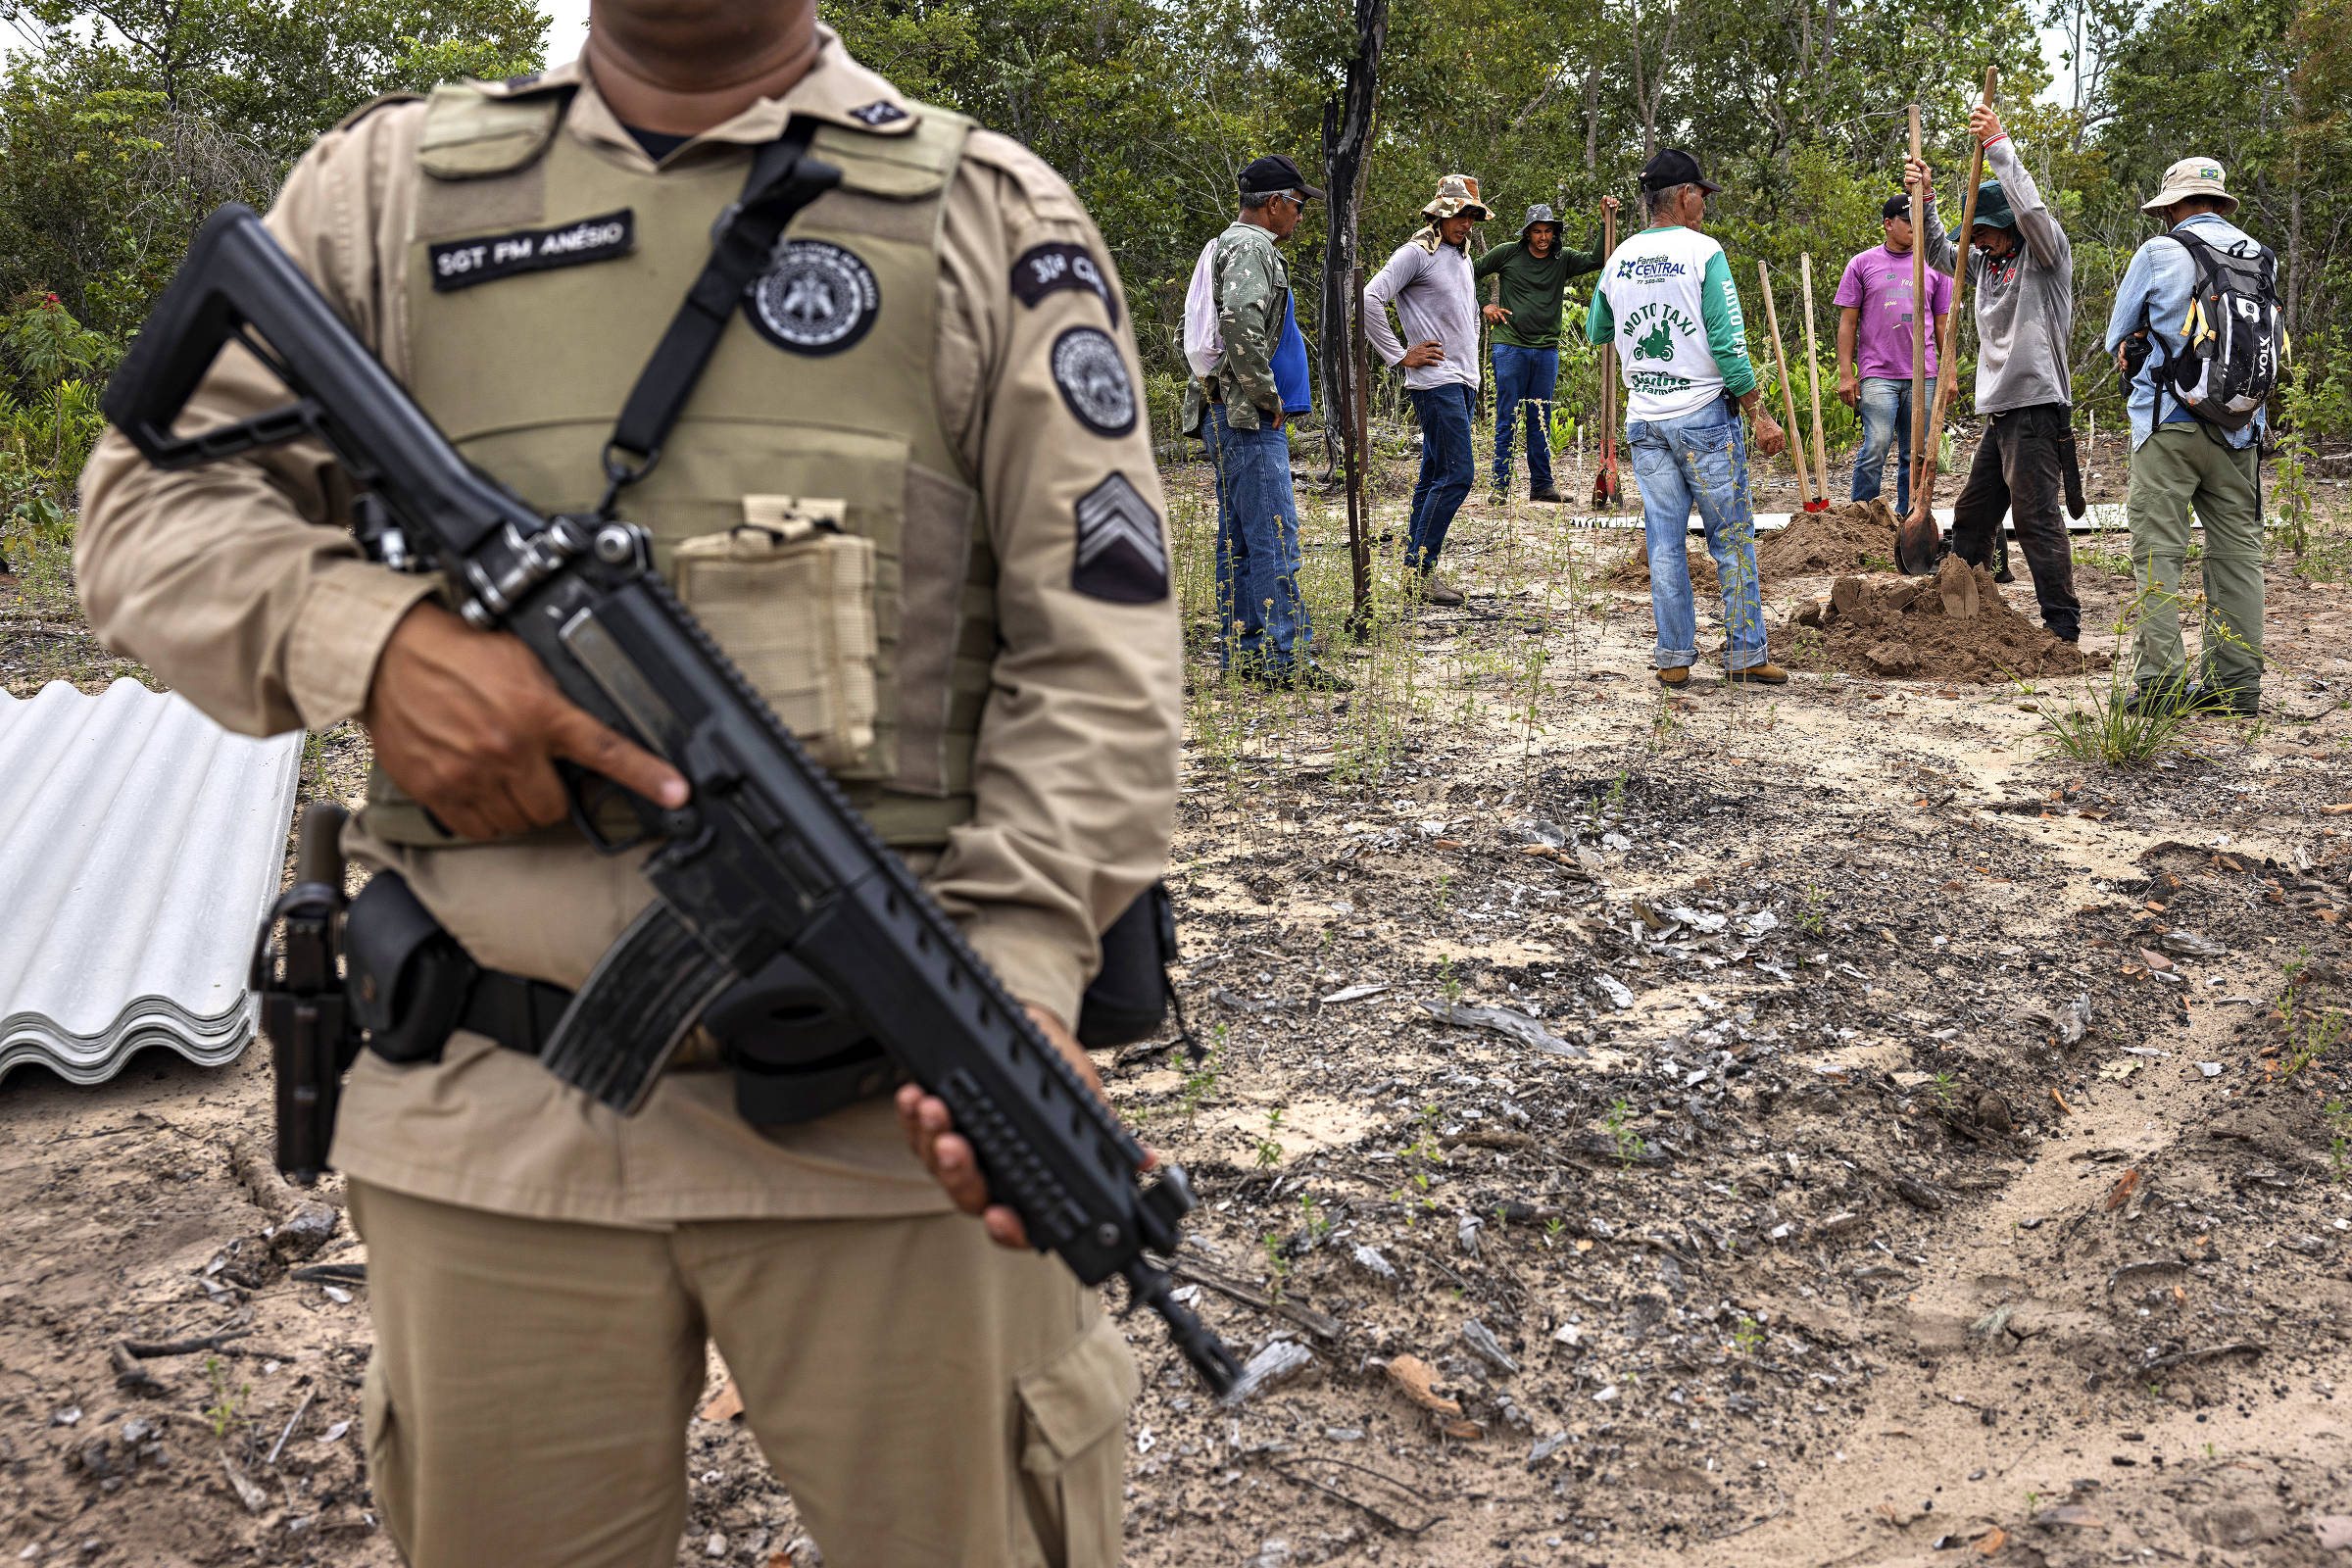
122, 122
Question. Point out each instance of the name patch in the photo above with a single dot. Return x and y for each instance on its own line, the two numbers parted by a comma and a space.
463, 262
1044, 269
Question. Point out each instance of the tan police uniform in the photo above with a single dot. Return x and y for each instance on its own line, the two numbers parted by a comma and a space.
937, 355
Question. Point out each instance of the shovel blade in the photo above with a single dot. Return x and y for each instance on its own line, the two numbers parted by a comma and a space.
1915, 542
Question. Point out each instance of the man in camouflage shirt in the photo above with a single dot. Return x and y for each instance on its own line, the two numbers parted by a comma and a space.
1251, 376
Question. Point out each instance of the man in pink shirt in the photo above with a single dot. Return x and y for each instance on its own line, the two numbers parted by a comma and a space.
1875, 307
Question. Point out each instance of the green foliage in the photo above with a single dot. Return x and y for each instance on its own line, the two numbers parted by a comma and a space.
49, 418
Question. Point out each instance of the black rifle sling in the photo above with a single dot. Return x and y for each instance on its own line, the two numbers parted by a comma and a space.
783, 180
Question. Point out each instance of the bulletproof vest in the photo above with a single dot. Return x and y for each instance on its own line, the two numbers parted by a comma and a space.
526, 369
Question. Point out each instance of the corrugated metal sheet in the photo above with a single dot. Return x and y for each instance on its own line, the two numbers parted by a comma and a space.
140, 845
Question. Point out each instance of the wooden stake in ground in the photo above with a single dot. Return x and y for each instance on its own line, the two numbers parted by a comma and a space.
1358, 417
1606, 491
1916, 540
1919, 319
1779, 363
1821, 458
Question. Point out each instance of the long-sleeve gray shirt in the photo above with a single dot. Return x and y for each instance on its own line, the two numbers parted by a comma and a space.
1436, 296
2025, 302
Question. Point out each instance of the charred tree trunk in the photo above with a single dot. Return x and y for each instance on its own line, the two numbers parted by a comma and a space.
1346, 149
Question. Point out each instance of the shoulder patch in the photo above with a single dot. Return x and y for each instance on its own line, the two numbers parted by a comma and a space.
1091, 378
881, 112
1121, 557
463, 262
1044, 269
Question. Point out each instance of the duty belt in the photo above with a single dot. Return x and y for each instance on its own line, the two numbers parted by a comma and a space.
413, 985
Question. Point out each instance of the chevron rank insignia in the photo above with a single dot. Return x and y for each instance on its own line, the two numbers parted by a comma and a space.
1120, 554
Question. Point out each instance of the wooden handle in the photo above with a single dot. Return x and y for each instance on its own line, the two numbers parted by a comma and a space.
1947, 377
1821, 459
1780, 360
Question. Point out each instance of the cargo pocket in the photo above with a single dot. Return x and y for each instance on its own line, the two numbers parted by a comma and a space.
379, 1431
1075, 1448
790, 599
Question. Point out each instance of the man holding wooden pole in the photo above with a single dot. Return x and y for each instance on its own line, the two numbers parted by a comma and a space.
2022, 272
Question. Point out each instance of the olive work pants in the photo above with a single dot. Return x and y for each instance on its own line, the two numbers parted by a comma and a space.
926, 1397
2180, 469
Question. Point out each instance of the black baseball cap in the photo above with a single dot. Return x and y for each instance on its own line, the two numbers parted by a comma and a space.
1896, 206
1275, 171
1674, 167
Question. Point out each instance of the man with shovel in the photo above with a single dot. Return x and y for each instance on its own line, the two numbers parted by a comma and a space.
2023, 270
1533, 270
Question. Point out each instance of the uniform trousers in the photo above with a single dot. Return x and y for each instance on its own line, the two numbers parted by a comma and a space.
2177, 469
2016, 471
926, 1397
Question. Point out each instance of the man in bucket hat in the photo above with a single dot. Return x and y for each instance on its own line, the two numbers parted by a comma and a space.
1430, 282
2182, 464
1532, 272
1665, 296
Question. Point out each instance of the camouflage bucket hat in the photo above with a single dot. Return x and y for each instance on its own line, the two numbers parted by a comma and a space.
1541, 212
1457, 193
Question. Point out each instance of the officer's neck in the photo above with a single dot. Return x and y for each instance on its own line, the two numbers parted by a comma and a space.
682, 69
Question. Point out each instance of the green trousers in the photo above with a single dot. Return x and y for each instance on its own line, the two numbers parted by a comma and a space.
2177, 469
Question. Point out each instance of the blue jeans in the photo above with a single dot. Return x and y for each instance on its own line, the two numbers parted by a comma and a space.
1447, 467
1524, 376
1261, 621
1886, 419
1701, 458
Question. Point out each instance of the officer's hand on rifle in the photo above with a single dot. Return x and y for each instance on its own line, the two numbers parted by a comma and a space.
930, 1132
470, 723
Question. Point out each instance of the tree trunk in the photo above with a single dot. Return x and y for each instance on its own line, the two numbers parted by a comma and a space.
2294, 253
1346, 150
1591, 116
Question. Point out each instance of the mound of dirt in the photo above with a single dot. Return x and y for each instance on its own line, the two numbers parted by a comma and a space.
1813, 543
1835, 540
1953, 627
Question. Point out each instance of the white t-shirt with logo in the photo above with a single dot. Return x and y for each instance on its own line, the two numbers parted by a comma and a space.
1665, 297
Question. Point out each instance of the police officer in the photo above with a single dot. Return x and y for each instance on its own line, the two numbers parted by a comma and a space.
935, 361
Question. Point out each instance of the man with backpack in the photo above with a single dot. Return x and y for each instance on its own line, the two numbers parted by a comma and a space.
2197, 335
1240, 337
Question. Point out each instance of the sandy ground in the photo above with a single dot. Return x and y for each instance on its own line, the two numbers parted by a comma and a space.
1923, 1145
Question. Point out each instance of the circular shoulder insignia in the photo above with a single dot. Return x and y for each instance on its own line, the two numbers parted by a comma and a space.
812, 297
1093, 381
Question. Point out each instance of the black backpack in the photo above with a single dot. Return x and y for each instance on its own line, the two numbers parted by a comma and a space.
2237, 335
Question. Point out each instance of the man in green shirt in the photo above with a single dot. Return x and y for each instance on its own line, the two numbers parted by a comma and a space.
1534, 272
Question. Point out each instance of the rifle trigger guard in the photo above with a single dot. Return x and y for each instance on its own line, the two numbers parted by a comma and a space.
586, 792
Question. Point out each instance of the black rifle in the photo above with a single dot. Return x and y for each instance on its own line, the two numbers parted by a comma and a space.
767, 863
299, 978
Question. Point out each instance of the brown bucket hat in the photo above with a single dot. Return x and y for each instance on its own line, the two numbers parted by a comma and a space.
1457, 193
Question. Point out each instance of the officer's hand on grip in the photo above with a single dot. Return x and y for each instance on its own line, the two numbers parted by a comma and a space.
472, 725
930, 1132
